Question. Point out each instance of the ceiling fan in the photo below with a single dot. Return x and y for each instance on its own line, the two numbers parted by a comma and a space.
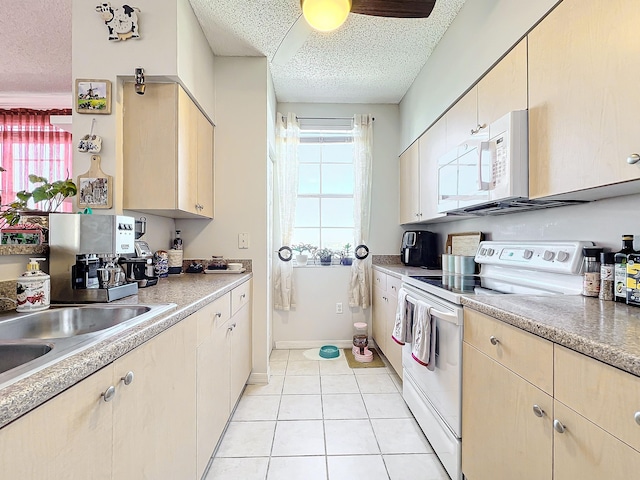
327, 15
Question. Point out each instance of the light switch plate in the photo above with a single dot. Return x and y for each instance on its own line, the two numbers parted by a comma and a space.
243, 240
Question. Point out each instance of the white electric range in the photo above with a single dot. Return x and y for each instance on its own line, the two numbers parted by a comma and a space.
523, 268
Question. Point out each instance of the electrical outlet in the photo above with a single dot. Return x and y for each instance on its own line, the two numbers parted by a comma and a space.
339, 307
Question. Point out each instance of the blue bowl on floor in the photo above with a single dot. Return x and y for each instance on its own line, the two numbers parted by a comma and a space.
329, 351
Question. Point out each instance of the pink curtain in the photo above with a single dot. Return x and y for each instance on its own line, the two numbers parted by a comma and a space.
29, 144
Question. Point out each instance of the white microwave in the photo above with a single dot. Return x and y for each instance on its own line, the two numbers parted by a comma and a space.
491, 166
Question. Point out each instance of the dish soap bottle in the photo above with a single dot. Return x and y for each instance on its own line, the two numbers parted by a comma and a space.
177, 241
33, 288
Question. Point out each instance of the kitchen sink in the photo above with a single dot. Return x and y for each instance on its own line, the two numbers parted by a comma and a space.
32, 341
13, 355
69, 321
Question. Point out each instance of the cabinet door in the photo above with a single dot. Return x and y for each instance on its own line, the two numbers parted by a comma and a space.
432, 146
212, 386
205, 166
410, 185
379, 313
70, 436
393, 351
240, 351
583, 96
187, 153
150, 145
504, 88
154, 417
587, 452
503, 438
461, 119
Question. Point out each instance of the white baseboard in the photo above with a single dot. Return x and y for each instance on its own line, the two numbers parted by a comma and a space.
299, 344
258, 378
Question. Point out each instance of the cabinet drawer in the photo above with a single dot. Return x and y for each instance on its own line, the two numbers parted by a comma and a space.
529, 356
213, 315
380, 280
240, 296
607, 396
393, 286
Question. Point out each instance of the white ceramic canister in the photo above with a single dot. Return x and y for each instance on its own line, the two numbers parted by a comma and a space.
33, 288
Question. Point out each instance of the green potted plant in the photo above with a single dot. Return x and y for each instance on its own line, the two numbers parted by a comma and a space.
345, 255
325, 255
301, 258
52, 194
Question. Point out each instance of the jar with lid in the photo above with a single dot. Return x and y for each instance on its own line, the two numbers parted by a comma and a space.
217, 263
591, 274
607, 276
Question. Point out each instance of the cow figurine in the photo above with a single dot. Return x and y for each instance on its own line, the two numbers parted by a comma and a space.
122, 22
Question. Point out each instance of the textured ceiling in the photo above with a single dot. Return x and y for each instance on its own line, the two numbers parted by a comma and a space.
367, 60
35, 46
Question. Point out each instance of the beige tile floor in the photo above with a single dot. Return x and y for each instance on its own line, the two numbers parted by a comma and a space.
321, 420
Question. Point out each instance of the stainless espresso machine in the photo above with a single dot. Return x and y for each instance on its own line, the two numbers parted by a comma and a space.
83, 257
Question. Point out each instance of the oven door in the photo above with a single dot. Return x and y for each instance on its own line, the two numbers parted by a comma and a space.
442, 386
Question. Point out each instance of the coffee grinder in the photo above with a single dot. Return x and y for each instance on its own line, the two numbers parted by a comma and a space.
83, 254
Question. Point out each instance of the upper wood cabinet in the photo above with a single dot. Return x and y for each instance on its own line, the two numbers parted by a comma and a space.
410, 185
431, 146
168, 153
583, 98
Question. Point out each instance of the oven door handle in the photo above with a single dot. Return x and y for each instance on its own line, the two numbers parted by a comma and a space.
449, 317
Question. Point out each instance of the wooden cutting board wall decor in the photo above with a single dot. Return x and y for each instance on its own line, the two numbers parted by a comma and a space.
95, 188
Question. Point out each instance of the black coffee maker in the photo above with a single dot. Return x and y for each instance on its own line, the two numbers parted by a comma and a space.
420, 249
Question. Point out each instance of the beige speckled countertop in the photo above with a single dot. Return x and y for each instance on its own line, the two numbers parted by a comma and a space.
606, 331
189, 292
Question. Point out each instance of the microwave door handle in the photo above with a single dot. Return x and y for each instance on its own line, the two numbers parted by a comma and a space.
484, 147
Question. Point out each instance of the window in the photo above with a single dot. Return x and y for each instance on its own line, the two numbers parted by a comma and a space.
29, 144
324, 209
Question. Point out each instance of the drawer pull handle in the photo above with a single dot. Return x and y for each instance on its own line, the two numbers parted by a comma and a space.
538, 411
108, 394
494, 340
633, 159
128, 378
637, 417
558, 426
218, 315
232, 327
242, 296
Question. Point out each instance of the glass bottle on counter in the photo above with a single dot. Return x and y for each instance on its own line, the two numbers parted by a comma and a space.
620, 261
591, 275
606, 276
177, 241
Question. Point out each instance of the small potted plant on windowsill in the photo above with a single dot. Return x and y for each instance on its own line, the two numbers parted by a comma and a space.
345, 255
325, 255
301, 258
51, 194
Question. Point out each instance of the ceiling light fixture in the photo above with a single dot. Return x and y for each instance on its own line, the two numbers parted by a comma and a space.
325, 15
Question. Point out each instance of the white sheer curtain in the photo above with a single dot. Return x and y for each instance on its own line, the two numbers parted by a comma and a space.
287, 141
359, 286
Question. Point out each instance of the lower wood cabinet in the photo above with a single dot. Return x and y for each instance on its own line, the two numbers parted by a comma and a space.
513, 429
70, 436
155, 413
385, 304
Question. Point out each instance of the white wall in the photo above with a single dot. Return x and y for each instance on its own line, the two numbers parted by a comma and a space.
240, 186
314, 321
318, 289
478, 37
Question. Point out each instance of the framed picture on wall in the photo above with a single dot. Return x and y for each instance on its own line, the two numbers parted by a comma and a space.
93, 96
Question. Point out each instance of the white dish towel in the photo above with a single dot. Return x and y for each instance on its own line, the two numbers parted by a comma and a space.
423, 349
402, 329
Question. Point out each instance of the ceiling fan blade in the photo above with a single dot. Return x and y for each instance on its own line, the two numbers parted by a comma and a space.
293, 41
393, 8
